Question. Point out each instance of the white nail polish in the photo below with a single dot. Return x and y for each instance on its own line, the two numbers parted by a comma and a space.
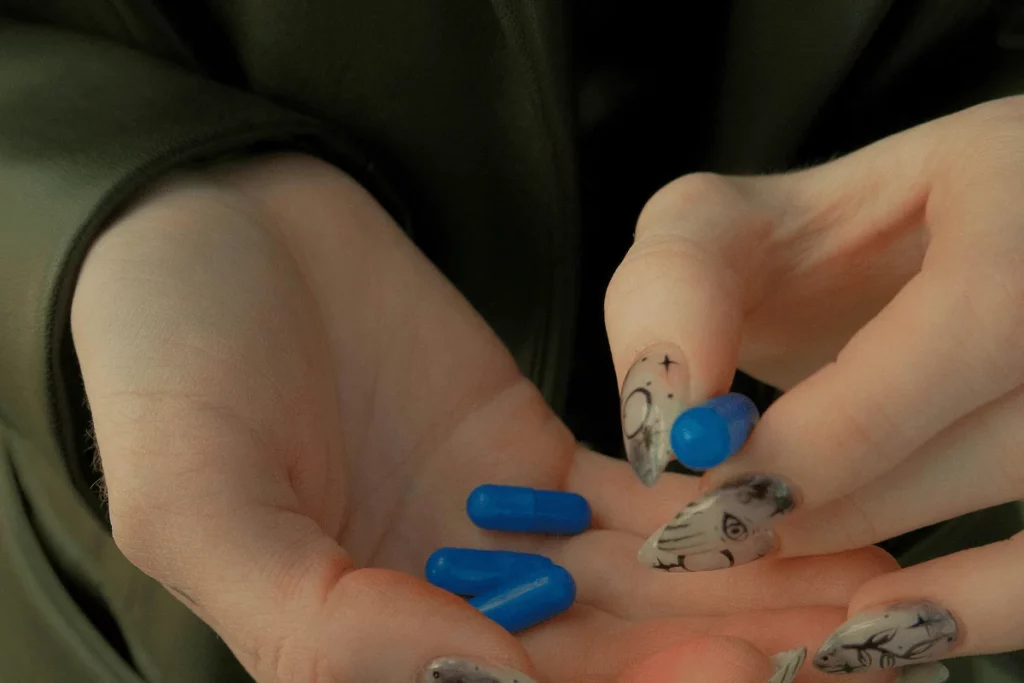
729, 526
654, 393
458, 670
902, 634
787, 664
924, 673
753, 548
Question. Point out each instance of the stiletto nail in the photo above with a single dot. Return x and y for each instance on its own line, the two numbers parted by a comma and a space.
753, 548
787, 664
457, 670
898, 635
654, 393
924, 673
733, 521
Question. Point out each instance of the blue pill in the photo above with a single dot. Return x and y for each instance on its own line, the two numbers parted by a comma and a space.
525, 510
705, 436
529, 599
465, 571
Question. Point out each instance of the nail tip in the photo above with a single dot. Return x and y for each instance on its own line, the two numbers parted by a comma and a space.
934, 672
649, 478
646, 467
787, 664
450, 669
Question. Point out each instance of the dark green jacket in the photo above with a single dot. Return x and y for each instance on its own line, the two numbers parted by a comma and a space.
468, 119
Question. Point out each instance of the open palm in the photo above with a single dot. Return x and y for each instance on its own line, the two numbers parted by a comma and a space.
292, 405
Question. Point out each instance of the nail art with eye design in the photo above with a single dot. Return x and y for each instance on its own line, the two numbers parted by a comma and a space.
753, 548
456, 670
787, 664
654, 393
898, 635
732, 523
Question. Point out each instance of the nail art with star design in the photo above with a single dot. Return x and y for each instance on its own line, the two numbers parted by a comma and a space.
898, 635
654, 393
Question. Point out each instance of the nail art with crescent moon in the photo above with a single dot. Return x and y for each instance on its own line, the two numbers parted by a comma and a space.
654, 393
725, 528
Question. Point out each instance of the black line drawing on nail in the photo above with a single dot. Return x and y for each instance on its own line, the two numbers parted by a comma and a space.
755, 547
727, 515
787, 664
649, 406
733, 528
729, 526
643, 397
906, 633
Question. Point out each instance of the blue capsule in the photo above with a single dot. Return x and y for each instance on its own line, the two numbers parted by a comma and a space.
529, 599
525, 510
706, 435
465, 571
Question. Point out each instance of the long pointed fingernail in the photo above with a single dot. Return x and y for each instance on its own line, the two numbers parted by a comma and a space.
787, 664
733, 522
753, 548
654, 393
898, 635
924, 673
458, 670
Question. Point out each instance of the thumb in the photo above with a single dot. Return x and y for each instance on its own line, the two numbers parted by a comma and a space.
674, 309
292, 606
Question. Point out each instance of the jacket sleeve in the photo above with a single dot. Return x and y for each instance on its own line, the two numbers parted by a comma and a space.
84, 125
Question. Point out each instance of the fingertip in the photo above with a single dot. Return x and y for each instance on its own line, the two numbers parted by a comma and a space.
711, 659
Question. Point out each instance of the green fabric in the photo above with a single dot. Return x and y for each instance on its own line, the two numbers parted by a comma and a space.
53, 549
51, 546
467, 108
84, 125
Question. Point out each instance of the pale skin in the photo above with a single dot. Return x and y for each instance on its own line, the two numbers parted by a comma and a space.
291, 406
885, 292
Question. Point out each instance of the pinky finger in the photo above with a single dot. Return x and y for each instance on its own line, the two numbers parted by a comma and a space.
963, 604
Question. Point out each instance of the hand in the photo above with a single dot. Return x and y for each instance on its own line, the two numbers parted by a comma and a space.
292, 405
885, 290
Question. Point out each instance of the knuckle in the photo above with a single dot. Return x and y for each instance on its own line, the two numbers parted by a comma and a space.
690, 194
993, 306
860, 526
868, 432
